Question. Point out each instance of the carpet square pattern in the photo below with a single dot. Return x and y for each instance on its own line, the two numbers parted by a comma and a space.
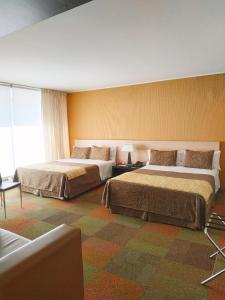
124, 257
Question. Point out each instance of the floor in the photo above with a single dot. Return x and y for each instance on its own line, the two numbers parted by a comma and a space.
125, 258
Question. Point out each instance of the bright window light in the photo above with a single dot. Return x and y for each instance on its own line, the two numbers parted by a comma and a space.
20, 128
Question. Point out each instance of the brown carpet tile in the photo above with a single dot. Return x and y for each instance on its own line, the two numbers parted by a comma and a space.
125, 258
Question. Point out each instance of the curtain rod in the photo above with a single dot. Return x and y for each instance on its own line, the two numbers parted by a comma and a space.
20, 86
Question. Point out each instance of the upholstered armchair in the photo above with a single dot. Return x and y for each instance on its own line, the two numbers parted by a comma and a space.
49, 267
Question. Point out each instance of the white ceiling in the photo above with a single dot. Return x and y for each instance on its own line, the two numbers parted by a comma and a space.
107, 43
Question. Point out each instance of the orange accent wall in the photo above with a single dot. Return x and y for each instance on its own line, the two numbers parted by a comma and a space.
191, 109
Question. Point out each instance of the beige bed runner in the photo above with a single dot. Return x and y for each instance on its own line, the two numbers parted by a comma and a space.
70, 171
200, 187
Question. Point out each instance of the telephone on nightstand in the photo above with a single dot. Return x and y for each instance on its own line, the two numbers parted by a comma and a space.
139, 164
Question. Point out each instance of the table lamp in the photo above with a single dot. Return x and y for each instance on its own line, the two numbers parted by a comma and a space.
128, 148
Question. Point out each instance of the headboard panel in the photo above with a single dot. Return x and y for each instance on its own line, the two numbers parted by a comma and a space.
141, 147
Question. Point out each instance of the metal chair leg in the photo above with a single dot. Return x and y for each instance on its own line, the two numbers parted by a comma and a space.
4, 204
213, 276
215, 253
21, 199
219, 250
214, 243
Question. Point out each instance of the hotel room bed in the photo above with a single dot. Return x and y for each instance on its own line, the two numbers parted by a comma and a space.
65, 178
167, 194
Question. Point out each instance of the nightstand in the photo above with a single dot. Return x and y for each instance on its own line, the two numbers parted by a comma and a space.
120, 169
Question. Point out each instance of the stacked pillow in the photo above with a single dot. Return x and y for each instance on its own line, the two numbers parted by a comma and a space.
186, 158
100, 153
163, 158
200, 159
81, 152
95, 153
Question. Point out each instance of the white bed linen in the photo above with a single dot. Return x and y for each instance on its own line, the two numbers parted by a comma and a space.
105, 167
179, 169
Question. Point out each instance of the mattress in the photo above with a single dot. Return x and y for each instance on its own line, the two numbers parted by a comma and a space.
105, 167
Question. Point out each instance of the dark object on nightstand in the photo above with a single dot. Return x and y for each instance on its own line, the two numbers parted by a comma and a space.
120, 169
6, 186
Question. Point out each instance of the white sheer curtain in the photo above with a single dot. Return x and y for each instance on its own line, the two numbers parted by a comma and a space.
20, 128
55, 124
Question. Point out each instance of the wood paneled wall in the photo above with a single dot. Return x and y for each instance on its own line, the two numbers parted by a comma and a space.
190, 109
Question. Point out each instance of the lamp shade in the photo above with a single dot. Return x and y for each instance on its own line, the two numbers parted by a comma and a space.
127, 148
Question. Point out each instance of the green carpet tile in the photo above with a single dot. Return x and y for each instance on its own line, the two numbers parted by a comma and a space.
125, 258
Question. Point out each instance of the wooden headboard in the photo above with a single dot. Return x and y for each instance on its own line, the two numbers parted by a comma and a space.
141, 147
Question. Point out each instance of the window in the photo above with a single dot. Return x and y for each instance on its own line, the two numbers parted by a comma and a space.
20, 128
6, 153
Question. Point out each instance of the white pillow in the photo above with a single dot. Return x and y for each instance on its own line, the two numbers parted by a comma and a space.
149, 157
180, 157
216, 160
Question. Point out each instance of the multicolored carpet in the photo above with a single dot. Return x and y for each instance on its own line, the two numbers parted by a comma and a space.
125, 258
